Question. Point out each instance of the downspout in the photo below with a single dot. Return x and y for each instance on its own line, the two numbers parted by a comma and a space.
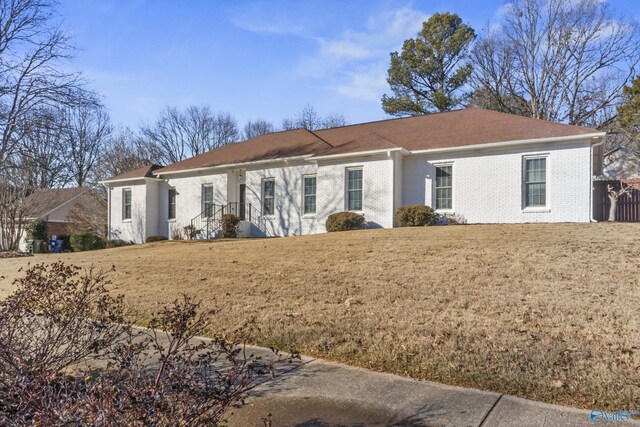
597, 144
109, 213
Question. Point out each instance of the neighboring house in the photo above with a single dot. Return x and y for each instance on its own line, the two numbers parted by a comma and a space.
487, 166
634, 182
65, 209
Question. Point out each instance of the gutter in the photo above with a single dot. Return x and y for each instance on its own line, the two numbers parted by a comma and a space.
597, 144
115, 181
360, 153
233, 165
512, 143
109, 189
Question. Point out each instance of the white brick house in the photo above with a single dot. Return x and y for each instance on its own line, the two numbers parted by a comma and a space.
486, 166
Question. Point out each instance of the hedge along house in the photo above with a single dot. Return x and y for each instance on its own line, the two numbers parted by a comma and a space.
487, 166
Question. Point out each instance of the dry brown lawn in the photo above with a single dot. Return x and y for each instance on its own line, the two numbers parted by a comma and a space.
546, 312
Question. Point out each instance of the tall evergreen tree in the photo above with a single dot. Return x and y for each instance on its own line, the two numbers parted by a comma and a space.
430, 73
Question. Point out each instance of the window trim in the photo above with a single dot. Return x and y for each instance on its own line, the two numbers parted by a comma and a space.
202, 200
263, 197
435, 187
523, 184
175, 211
304, 195
346, 188
124, 206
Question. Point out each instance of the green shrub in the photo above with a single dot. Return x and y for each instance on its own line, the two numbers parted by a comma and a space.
229, 224
116, 243
344, 221
86, 241
36, 229
415, 216
151, 239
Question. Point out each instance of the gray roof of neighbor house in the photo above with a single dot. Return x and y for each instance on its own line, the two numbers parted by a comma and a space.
42, 202
468, 127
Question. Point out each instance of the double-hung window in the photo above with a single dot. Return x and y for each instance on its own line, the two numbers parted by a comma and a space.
309, 195
535, 182
207, 200
268, 196
126, 204
444, 187
354, 189
172, 203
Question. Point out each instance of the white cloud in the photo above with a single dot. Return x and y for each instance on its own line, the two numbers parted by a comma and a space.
269, 18
354, 63
351, 61
367, 84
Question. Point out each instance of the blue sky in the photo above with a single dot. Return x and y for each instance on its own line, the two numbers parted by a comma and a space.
253, 59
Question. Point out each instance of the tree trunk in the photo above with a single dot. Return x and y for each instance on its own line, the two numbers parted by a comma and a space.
612, 209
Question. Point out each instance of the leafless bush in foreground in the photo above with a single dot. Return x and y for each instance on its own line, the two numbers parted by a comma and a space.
67, 358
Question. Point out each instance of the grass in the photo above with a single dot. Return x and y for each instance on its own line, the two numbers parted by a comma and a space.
546, 312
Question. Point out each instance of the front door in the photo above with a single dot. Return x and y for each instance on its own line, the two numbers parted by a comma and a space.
241, 198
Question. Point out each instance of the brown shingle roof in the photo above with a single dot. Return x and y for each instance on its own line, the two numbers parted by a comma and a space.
459, 128
369, 142
42, 202
143, 172
275, 145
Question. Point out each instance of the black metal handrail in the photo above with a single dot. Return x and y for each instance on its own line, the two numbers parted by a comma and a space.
208, 222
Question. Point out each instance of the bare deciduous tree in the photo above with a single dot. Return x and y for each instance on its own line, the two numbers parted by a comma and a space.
86, 133
41, 157
310, 119
257, 127
12, 212
125, 152
33, 51
178, 135
614, 195
565, 61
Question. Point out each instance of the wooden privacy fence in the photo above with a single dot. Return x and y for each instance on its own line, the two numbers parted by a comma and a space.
628, 206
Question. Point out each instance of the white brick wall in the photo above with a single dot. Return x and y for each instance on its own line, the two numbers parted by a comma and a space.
189, 198
488, 186
135, 228
377, 193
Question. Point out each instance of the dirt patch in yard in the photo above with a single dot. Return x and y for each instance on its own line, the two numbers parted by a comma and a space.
547, 312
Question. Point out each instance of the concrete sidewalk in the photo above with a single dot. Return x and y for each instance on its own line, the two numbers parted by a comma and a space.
319, 393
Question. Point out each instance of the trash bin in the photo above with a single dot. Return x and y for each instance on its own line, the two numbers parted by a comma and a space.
55, 246
38, 246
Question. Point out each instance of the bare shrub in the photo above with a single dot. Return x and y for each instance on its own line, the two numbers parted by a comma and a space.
60, 325
229, 225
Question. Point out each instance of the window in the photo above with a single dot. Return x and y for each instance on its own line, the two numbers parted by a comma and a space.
309, 194
126, 203
207, 200
268, 196
172, 203
535, 182
354, 189
444, 187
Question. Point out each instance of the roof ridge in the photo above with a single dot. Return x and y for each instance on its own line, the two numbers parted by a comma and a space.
319, 137
369, 134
